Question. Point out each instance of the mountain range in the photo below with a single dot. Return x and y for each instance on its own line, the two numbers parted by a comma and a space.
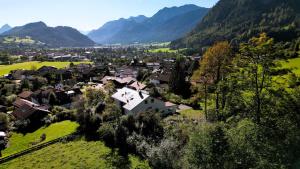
60, 36
238, 20
167, 24
4, 28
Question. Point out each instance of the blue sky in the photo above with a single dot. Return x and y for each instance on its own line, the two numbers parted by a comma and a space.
83, 14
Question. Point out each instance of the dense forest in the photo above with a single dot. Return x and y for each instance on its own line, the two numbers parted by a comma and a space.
239, 20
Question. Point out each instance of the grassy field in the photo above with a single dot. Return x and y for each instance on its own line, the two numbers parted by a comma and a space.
5, 69
19, 142
160, 50
78, 154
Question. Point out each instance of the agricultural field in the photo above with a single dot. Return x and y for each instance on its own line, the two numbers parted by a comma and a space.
77, 154
19, 142
163, 50
5, 69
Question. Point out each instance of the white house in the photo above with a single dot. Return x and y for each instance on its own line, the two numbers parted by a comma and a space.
131, 102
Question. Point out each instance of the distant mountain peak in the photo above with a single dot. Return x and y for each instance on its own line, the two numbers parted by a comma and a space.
166, 25
138, 19
36, 24
5, 28
60, 36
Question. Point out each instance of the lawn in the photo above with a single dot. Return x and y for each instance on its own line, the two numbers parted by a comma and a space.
5, 69
77, 154
19, 142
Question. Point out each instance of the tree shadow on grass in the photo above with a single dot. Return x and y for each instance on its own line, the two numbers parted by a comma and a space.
29, 128
118, 161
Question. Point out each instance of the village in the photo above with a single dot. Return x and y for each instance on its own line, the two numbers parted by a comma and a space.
136, 85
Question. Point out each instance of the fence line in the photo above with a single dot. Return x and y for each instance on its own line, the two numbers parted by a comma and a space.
37, 147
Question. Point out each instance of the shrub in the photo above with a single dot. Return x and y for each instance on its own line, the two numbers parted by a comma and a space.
3, 122
62, 114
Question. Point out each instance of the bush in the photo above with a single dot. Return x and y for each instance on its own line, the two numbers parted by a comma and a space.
43, 137
3, 122
166, 154
62, 114
22, 125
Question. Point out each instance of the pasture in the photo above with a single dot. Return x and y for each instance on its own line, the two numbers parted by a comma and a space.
5, 69
19, 142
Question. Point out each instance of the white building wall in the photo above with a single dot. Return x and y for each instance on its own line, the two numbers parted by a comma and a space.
150, 104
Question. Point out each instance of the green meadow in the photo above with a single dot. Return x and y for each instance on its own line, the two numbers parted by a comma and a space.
163, 50
19, 142
5, 69
77, 154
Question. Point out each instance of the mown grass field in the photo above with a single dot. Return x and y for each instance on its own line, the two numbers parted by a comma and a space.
77, 154
19, 142
5, 69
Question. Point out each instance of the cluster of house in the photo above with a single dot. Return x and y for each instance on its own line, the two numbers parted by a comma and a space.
131, 95
35, 105
66, 57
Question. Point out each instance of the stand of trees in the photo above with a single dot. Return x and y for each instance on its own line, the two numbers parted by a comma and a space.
257, 125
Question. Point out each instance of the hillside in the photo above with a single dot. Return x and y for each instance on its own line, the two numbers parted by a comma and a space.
51, 37
106, 33
237, 20
166, 25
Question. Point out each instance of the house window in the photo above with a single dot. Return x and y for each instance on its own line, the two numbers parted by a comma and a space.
152, 100
146, 101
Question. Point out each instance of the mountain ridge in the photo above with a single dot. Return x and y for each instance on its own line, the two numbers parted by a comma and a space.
238, 20
152, 29
60, 36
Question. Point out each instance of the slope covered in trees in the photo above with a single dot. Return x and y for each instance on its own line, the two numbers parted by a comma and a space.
239, 20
